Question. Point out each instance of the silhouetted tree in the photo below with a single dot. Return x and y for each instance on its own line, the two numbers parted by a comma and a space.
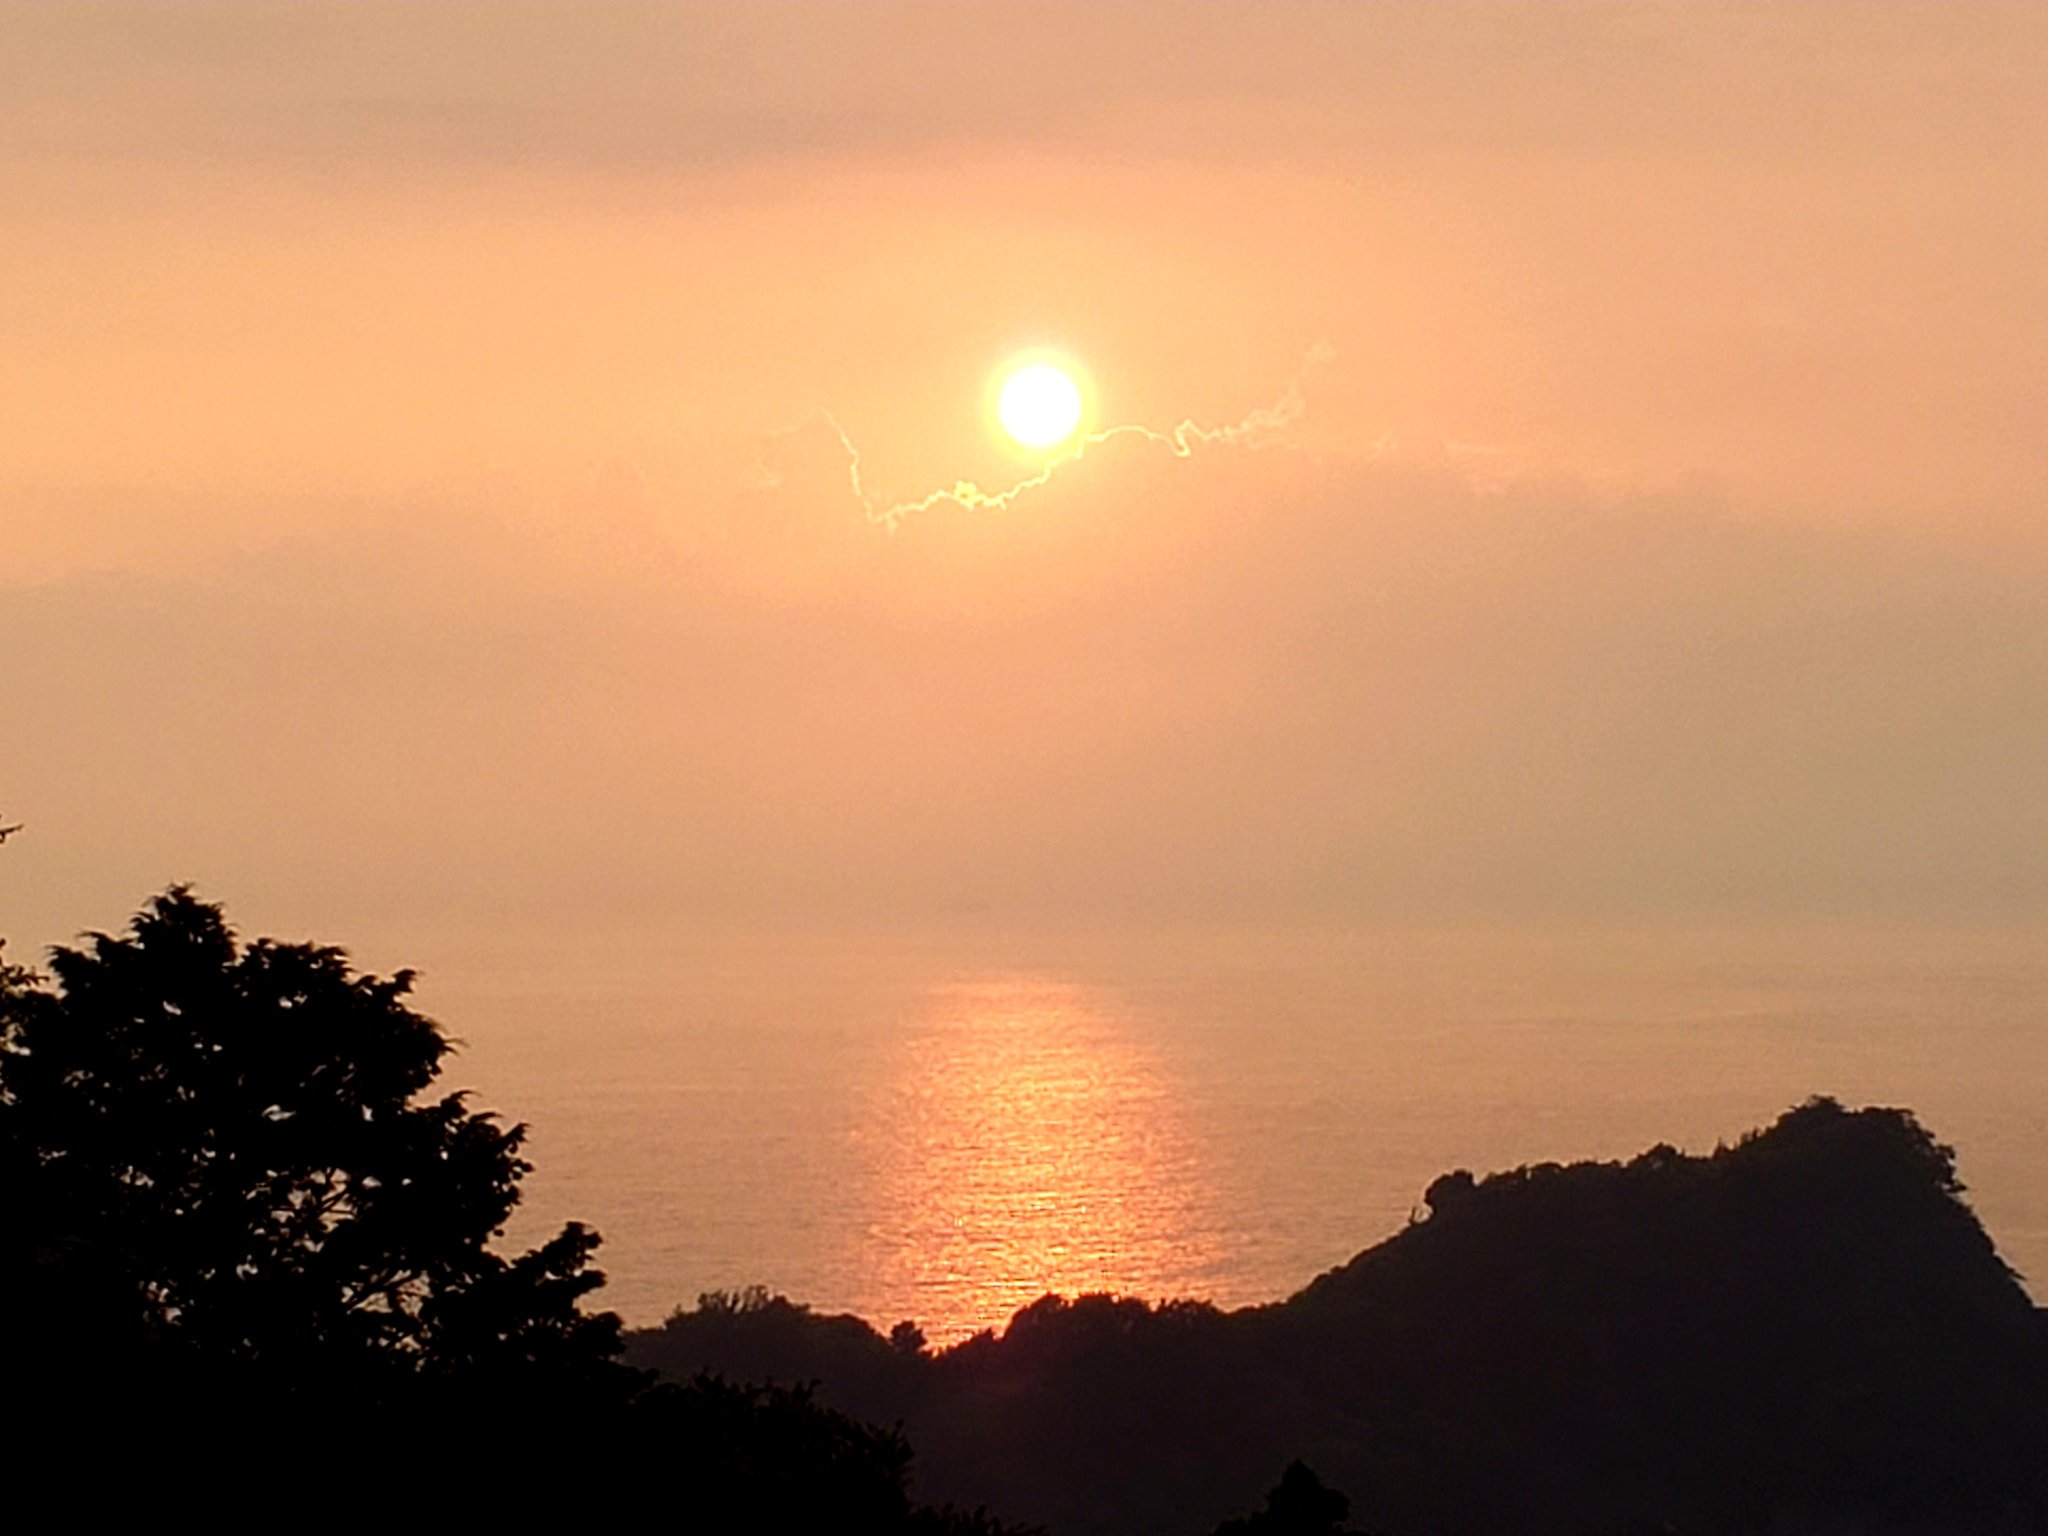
1299, 1506
240, 1243
216, 1164
1448, 1191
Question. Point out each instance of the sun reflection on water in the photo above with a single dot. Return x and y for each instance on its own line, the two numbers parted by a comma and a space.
1027, 1143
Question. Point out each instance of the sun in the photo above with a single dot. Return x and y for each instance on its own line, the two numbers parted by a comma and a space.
1040, 405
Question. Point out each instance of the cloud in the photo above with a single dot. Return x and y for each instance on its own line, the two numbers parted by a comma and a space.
1274, 690
1261, 428
658, 87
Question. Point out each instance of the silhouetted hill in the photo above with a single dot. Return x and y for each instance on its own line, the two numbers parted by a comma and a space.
1806, 1332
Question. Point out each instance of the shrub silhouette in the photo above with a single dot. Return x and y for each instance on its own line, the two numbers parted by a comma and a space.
772, 1459
1299, 1505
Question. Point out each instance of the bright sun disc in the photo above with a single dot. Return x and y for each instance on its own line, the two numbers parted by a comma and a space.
1039, 406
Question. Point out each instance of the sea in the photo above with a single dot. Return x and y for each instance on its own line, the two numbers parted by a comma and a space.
943, 1128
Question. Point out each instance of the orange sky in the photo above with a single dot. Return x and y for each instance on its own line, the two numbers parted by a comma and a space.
383, 394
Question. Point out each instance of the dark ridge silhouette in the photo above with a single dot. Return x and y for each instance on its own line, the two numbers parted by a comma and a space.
1806, 1332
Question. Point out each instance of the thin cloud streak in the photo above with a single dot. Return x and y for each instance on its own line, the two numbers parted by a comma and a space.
1262, 428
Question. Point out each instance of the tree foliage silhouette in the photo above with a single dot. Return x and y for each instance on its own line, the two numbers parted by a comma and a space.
219, 1156
1300, 1505
239, 1239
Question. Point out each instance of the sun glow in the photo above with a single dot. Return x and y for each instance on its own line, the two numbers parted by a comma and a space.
1043, 405
1040, 405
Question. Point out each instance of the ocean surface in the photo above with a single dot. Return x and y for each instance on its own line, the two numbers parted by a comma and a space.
944, 1129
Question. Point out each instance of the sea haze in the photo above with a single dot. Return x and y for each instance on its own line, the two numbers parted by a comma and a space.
943, 1129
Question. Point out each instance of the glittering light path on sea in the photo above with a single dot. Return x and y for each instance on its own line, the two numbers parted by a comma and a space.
1025, 1143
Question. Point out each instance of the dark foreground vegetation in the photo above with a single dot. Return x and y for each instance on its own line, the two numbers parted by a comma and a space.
246, 1267
248, 1263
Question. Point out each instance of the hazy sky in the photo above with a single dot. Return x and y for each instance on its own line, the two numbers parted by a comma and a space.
386, 395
